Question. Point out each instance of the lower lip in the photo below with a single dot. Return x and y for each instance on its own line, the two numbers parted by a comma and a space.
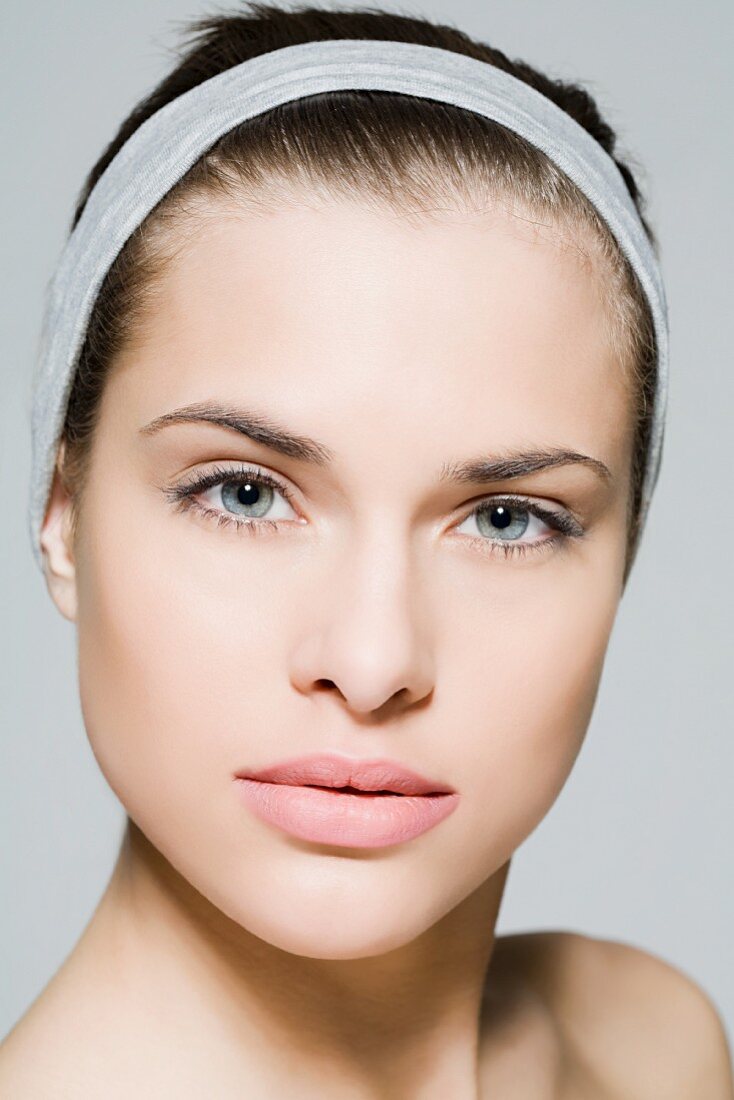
332, 816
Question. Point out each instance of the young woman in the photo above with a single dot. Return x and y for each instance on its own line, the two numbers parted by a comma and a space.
352, 470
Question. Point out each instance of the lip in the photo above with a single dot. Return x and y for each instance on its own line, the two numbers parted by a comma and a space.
330, 799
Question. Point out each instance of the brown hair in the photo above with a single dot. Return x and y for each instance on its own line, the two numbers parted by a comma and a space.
396, 149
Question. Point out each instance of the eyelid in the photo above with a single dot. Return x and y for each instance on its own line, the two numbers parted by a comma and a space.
561, 520
218, 474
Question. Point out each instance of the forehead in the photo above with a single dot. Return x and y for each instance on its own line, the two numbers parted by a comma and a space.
486, 328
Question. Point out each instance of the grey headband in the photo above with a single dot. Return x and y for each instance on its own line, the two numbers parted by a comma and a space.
167, 144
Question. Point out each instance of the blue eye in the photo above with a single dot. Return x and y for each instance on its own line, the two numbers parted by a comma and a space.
503, 521
519, 521
249, 499
254, 501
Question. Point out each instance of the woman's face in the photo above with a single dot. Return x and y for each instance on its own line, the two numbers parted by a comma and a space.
373, 613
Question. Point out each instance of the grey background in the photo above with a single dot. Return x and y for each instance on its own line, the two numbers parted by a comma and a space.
638, 846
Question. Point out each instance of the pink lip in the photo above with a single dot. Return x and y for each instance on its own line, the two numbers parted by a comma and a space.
301, 797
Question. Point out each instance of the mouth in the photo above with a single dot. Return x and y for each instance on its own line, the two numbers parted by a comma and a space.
331, 771
352, 790
335, 800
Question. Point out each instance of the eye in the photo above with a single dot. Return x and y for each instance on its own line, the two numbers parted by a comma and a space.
509, 523
250, 499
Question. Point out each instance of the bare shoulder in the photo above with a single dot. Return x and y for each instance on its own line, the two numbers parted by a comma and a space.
630, 1019
35, 1054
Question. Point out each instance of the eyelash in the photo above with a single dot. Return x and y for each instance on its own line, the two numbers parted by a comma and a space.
183, 497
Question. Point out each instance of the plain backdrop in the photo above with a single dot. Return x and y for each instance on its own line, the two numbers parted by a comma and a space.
638, 847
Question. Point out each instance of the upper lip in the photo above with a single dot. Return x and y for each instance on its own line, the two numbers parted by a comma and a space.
329, 770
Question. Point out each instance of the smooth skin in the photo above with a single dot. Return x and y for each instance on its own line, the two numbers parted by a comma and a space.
375, 619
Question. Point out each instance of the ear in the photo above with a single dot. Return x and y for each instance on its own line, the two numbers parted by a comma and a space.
56, 543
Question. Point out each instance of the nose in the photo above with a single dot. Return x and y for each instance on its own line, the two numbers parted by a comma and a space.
367, 641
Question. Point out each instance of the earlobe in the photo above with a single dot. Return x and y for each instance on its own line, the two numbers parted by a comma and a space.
58, 554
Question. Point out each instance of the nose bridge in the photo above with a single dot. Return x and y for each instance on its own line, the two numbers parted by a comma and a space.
377, 585
369, 634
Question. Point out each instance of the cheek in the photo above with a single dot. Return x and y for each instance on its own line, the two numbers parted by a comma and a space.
526, 687
179, 666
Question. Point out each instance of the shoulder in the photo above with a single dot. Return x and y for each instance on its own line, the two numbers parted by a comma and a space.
636, 1023
34, 1054
55, 1048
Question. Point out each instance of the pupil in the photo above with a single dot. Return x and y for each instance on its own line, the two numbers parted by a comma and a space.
501, 516
247, 494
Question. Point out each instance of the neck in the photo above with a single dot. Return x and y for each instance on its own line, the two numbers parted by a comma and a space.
407, 1022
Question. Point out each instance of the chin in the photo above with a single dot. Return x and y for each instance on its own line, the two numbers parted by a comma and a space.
332, 907
331, 939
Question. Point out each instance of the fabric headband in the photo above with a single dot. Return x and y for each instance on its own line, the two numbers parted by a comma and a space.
168, 143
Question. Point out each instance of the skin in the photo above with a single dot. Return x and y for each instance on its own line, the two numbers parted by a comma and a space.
376, 620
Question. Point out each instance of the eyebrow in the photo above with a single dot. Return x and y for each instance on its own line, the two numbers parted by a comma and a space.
263, 430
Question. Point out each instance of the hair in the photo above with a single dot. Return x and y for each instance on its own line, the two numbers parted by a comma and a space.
404, 151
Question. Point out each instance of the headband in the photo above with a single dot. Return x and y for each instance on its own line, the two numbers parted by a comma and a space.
168, 143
